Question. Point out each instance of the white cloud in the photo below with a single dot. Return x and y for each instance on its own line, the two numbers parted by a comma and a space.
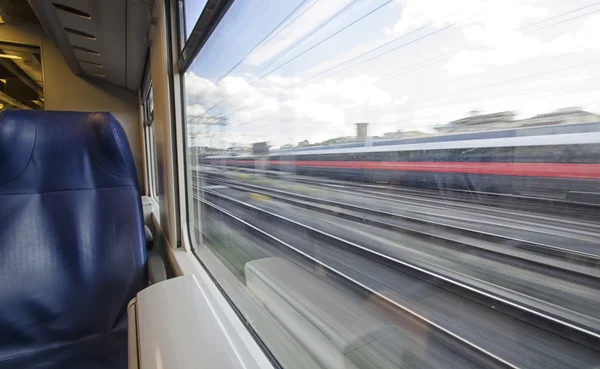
509, 50
493, 18
417, 13
585, 38
481, 22
499, 30
268, 111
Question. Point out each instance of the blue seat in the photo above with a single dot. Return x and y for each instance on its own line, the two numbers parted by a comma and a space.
72, 251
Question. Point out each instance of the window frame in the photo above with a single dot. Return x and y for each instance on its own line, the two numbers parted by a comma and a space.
207, 22
149, 137
203, 29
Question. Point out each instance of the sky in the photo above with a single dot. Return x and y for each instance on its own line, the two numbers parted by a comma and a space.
288, 71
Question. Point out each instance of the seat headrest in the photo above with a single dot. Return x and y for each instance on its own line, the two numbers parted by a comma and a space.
42, 151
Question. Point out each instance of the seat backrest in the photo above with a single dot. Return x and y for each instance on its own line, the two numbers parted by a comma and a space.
72, 250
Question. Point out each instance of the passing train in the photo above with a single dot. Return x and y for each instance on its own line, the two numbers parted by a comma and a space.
555, 162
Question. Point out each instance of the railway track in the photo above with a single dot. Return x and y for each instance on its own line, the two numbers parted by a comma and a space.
588, 266
482, 228
465, 347
490, 199
587, 222
531, 208
366, 268
546, 305
458, 198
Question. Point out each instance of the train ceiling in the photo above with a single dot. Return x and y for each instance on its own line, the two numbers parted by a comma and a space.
99, 39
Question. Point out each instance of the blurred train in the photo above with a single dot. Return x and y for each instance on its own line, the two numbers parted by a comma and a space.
556, 162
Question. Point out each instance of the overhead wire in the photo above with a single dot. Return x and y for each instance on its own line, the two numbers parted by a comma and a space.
383, 45
273, 35
312, 47
262, 42
479, 47
306, 36
329, 37
454, 51
560, 15
296, 43
478, 88
387, 43
449, 54
470, 76
438, 98
378, 47
562, 21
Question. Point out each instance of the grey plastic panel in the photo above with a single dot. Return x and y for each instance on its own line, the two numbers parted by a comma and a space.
178, 326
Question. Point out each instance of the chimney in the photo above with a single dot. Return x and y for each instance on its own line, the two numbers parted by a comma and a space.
361, 131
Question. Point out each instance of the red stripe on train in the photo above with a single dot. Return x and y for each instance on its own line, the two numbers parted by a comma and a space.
557, 170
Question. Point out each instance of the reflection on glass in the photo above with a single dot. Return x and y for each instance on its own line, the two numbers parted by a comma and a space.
415, 184
21, 82
192, 11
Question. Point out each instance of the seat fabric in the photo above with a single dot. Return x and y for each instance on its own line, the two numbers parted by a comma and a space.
72, 251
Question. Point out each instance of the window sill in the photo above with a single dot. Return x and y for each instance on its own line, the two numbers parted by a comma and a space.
242, 344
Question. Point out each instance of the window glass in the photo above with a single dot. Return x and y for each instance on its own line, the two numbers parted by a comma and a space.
192, 10
150, 103
402, 184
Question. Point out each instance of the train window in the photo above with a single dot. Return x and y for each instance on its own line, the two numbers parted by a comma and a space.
353, 157
486, 154
365, 157
439, 213
395, 156
21, 78
585, 154
328, 157
437, 155
416, 155
384, 156
559, 154
532, 154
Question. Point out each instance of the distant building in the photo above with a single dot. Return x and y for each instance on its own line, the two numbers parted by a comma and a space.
238, 149
286, 146
361, 131
303, 143
570, 115
336, 141
260, 148
401, 134
476, 122
479, 122
197, 151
